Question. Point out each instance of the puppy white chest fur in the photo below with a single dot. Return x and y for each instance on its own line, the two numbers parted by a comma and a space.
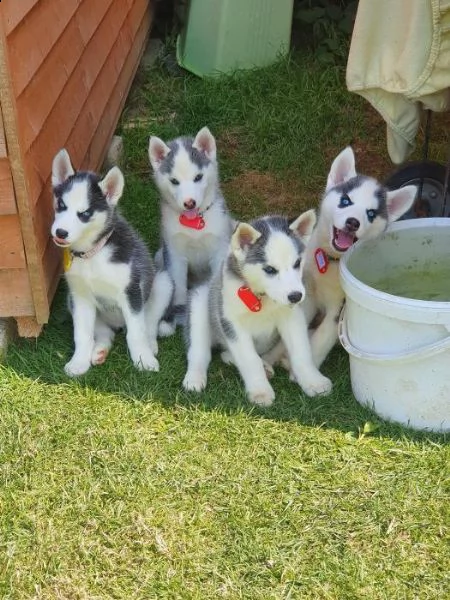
328, 284
97, 277
260, 324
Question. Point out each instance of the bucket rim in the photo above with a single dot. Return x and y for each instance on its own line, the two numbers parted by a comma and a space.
385, 297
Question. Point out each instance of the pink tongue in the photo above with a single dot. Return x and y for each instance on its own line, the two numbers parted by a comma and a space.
191, 214
343, 239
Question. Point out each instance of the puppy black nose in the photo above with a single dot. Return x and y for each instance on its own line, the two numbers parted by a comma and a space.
190, 204
352, 224
61, 234
295, 297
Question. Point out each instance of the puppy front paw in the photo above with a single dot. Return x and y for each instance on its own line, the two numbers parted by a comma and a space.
227, 358
194, 381
319, 386
146, 361
76, 367
262, 397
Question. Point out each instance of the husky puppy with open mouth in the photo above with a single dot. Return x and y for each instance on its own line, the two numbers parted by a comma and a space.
251, 303
354, 207
195, 224
110, 275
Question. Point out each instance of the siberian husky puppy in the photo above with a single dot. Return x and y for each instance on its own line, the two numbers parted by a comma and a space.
251, 303
354, 207
195, 223
110, 275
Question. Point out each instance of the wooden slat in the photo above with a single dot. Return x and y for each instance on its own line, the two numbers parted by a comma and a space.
65, 114
18, 300
14, 12
7, 200
3, 150
39, 304
30, 43
12, 255
41, 94
89, 16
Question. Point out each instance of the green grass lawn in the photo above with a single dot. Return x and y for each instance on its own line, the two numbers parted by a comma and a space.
121, 485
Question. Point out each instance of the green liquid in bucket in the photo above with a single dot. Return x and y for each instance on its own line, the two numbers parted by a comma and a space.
431, 284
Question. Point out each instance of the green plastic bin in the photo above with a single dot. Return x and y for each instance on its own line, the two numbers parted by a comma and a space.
224, 35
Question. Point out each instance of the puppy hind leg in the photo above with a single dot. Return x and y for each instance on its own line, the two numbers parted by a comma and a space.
198, 333
324, 338
175, 314
157, 305
275, 356
103, 340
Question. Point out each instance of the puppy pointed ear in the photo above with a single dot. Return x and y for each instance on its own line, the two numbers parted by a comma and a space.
157, 151
112, 185
399, 201
304, 224
243, 237
61, 167
205, 142
342, 168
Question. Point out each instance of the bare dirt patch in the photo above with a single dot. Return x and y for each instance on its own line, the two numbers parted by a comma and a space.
255, 192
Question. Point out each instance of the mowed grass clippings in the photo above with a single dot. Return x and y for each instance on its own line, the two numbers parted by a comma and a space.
122, 485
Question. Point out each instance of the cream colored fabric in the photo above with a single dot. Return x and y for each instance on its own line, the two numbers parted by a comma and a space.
399, 61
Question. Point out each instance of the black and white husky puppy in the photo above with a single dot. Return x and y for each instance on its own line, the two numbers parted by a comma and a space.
251, 303
110, 274
195, 224
354, 207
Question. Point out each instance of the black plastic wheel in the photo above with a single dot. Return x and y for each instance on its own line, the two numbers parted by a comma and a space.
431, 202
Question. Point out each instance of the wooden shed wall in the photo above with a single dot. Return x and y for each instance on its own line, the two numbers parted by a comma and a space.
65, 70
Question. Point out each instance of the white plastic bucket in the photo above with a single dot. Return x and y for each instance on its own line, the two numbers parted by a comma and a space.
399, 347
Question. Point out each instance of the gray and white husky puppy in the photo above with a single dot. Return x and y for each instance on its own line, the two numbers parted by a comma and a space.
251, 303
110, 275
354, 207
195, 224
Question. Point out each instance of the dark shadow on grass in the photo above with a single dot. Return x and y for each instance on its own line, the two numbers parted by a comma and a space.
45, 357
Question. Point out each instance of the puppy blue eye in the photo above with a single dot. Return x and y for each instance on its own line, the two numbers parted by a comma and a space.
85, 215
270, 270
297, 263
60, 206
198, 177
371, 215
345, 201
174, 181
